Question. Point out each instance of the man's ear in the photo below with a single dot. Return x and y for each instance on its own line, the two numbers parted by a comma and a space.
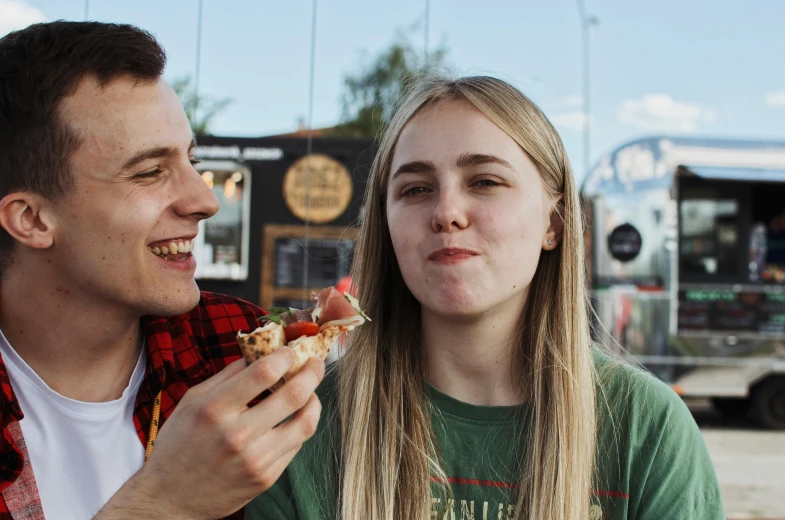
553, 234
26, 217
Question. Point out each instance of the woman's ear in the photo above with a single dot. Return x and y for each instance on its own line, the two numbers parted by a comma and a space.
553, 234
25, 216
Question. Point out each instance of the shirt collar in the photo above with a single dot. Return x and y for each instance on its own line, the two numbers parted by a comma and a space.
9, 405
170, 348
173, 355
171, 352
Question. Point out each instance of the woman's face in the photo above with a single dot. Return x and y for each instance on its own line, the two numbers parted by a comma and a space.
467, 212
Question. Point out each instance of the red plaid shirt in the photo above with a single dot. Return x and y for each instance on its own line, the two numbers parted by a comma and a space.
183, 351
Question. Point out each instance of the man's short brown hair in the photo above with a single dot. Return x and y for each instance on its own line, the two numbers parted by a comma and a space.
39, 66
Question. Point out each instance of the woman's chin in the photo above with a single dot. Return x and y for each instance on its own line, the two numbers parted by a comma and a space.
455, 300
455, 309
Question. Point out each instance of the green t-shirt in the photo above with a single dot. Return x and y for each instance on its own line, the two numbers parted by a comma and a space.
653, 463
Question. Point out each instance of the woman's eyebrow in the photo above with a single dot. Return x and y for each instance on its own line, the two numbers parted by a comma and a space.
477, 159
414, 167
464, 160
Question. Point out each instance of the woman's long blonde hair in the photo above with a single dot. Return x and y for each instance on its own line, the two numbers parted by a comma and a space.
388, 452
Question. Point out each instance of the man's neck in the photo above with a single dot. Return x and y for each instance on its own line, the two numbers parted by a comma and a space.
471, 359
82, 348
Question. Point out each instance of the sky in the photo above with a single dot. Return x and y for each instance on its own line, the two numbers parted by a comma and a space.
677, 67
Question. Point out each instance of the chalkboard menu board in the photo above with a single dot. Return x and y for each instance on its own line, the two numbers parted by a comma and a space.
725, 310
329, 252
329, 260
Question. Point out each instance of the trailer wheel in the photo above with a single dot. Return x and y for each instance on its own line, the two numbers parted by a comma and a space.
768, 402
732, 406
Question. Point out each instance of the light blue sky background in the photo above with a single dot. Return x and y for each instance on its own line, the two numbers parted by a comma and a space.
671, 66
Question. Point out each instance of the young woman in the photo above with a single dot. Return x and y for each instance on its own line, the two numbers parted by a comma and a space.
475, 392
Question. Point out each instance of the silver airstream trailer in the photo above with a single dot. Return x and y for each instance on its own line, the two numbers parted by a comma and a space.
686, 246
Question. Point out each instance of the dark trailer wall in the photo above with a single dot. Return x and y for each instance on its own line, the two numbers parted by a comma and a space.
268, 160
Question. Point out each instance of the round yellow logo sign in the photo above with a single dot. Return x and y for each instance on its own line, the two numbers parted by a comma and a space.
325, 196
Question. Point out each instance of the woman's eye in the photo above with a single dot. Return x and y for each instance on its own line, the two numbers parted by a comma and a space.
487, 183
194, 162
417, 190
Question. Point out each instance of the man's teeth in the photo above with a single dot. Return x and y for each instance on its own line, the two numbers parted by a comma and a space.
181, 246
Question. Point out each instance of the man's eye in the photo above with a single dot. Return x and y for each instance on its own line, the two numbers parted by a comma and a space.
148, 175
194, 162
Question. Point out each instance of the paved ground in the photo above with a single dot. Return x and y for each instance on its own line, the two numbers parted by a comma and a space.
750, 464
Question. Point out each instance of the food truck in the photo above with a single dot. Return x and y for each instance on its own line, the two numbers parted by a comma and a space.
686, 247
287, 218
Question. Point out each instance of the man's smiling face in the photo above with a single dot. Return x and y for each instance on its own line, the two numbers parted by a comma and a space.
135, 192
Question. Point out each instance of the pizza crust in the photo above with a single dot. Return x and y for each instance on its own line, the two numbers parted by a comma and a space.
261, 342
266, 340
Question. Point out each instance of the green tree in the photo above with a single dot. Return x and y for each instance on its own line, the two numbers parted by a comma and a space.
199, 108
370, 95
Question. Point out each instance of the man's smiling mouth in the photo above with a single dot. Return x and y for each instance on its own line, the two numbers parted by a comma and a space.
172, 250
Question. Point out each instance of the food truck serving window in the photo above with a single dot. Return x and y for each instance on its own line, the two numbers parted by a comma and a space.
221, 248
731, 232
730, 258
709, 237
714, 221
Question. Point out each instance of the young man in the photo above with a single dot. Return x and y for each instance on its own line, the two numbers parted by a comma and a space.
96, 176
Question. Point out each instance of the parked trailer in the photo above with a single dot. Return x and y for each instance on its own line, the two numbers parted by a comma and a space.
686, 246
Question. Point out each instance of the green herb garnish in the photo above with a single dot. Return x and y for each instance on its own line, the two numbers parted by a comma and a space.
271, 317
356, 304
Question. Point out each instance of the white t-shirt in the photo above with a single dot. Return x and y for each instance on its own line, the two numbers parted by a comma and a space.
81, 453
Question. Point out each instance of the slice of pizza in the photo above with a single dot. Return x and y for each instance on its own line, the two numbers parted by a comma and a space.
309, 333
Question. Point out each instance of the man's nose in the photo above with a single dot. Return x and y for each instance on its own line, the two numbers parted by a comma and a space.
196, 197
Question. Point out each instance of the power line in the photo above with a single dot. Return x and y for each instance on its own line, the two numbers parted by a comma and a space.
427, 26
309, 149
198, 59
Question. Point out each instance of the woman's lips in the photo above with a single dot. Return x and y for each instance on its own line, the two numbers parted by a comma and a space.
451, 255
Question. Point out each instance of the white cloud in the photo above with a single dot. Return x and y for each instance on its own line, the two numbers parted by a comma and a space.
569, 120
661, 113
17, 14
776, 99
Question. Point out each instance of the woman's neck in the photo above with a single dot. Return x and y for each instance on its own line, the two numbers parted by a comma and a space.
470, 359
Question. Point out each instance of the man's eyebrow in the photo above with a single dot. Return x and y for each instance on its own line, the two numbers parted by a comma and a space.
477, 159
155, 153
414, 167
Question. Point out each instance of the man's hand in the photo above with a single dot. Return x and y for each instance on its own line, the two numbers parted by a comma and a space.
214, 454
